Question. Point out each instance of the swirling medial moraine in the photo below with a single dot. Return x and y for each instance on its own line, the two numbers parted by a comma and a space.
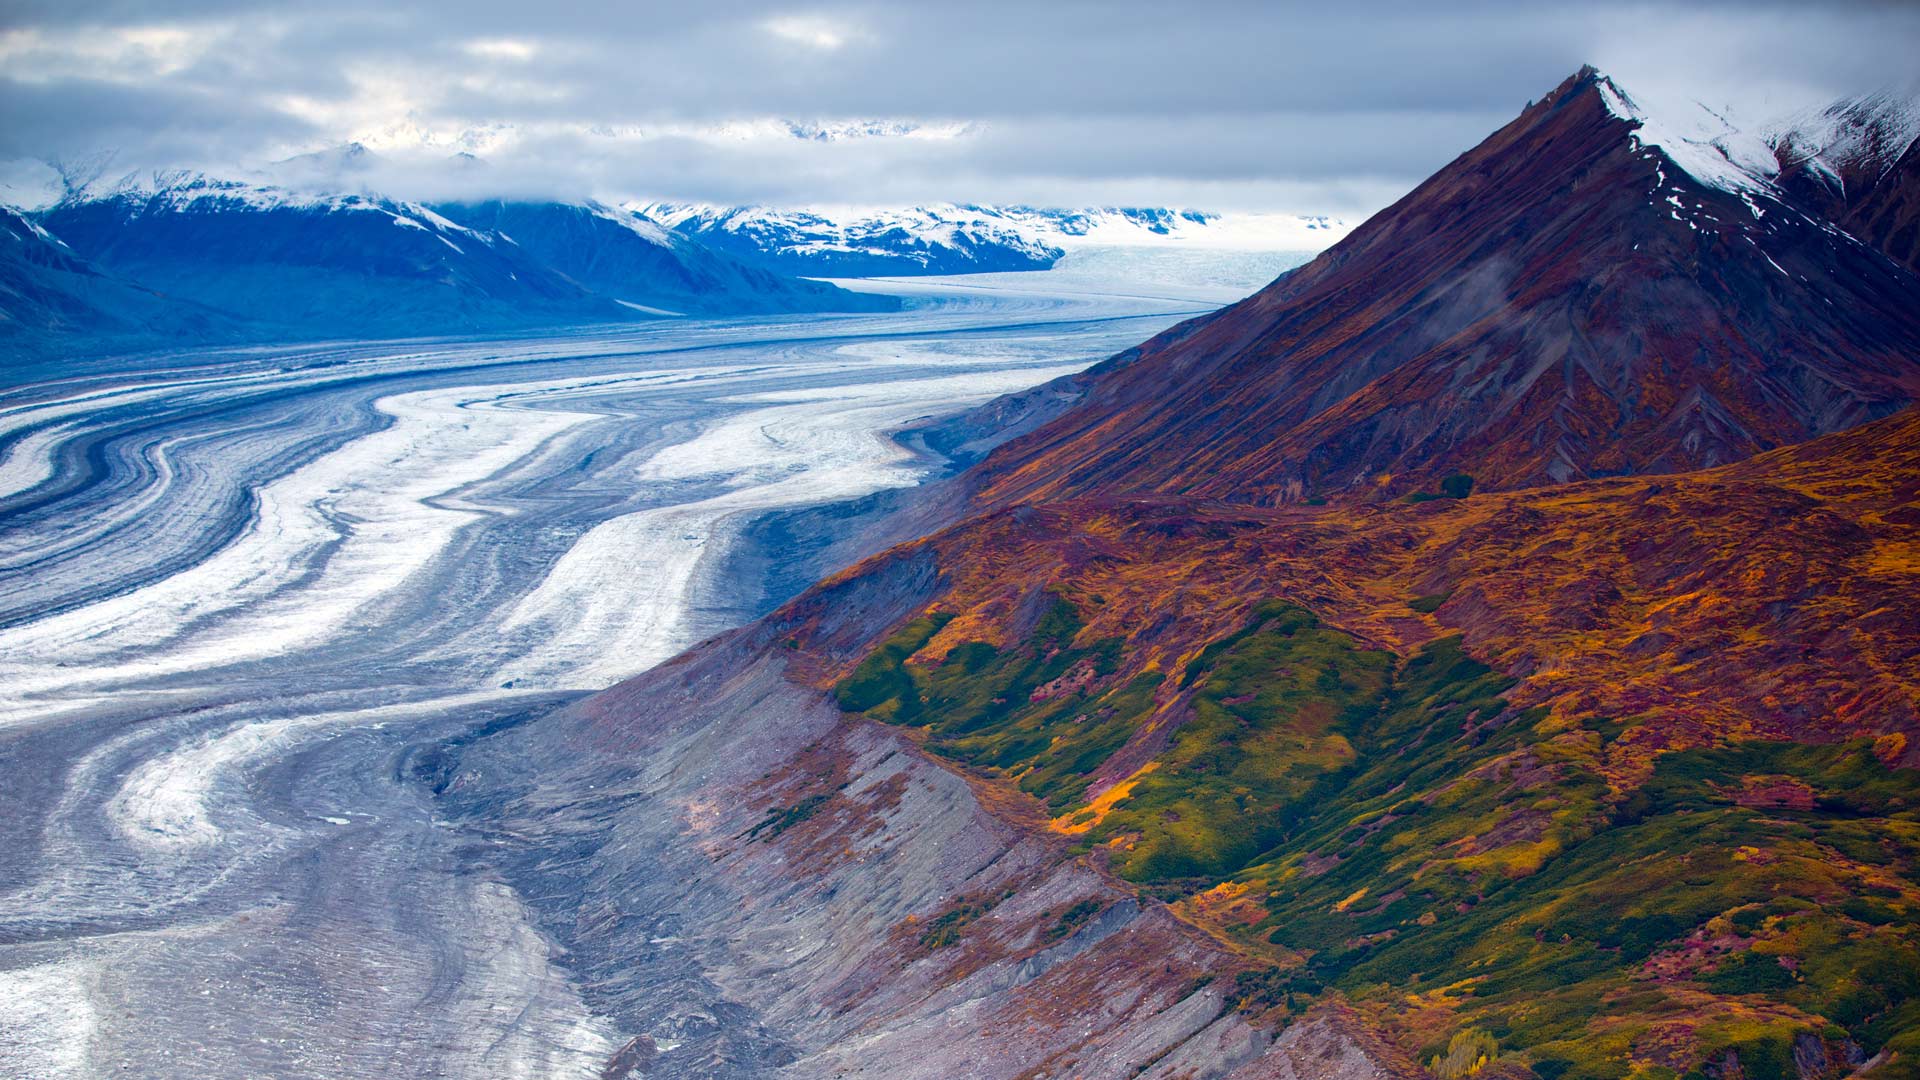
241, 590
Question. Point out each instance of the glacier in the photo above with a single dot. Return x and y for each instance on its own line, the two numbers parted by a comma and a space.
246, 594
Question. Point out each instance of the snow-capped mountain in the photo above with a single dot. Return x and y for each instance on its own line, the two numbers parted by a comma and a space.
948, 238
356, 262
637, 262
309, 259
1859, 161
339, 168
918, 240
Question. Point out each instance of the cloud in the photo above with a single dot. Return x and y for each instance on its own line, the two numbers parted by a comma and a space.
1235, 105
132, 54
501, 49
813, 31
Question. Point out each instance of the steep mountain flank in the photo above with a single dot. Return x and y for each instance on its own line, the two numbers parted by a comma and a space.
46, 290
762, 888
1566, 300
1603, 775
1189, 755
1585, 779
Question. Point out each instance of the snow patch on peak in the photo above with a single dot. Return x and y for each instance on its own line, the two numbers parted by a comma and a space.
648, 230
178, 188
1701, 141
29, 184
181, 191
1863, 136
966, 238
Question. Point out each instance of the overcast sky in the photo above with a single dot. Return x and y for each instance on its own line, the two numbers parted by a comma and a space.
1314, 108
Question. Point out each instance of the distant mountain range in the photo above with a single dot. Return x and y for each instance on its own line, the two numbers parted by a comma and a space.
187, 255
48, 289
305, 249
950, 238
1488, 651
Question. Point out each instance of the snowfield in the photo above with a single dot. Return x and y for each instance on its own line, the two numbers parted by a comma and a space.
949, 238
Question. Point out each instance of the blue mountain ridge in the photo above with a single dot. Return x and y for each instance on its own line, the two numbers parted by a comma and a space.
188, 257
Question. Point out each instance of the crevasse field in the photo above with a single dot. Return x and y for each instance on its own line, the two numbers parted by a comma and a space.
240, 589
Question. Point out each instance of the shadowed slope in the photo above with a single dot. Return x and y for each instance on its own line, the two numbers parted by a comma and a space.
47, 291
1563, 301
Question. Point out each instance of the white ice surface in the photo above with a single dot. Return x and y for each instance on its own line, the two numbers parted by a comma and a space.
29, 462
47, 1019
196, 789
381, 499
617, 602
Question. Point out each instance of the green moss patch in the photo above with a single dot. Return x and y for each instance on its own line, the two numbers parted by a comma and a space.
1047, 711
1410, 833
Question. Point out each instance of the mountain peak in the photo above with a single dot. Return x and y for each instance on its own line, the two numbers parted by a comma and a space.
1700, 140
1602, 287
347, 164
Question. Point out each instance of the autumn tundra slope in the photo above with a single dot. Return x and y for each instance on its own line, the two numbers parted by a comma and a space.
1487, 651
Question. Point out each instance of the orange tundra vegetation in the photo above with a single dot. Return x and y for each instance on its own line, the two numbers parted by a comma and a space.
1771, 598
1615, 773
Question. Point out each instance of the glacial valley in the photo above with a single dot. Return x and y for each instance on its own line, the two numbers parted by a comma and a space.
249, 598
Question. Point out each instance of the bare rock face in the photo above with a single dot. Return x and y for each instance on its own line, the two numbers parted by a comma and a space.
1326, 1045
751, 884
